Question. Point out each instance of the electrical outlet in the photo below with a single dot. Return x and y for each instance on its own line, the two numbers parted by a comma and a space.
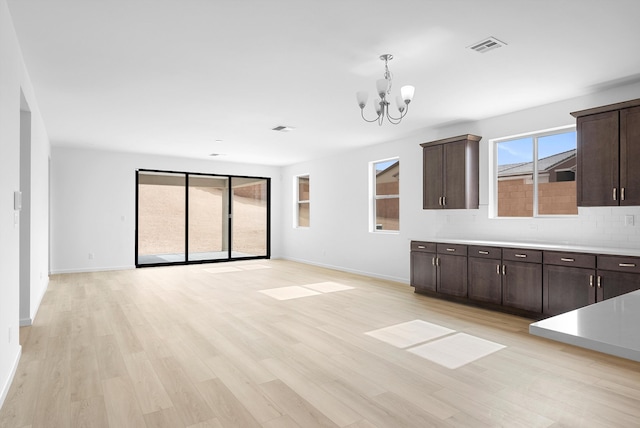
628, 220
90, 256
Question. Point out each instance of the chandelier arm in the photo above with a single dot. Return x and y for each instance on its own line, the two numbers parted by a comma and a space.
377, 119
402, 115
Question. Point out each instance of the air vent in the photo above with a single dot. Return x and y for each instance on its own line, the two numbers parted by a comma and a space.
282, 128
487, 45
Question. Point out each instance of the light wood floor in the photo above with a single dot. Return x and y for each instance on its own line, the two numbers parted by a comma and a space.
184, 347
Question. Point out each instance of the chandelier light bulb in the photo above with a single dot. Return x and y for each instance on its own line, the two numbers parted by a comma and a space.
363, 97
382, 85
407, 93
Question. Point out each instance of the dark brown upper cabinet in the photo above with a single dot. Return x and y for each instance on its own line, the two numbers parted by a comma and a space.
608, 159
450, 173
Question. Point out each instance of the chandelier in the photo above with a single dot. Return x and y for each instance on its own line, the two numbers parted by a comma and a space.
383, 87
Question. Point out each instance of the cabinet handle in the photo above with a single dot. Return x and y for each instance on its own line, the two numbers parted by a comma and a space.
504, 269
437, 261
444, 200
483, 252
566, 259
622, 193
421, 247
615, 193
433, 261
522, 256
590, 280
627, 264
498, 269
451, 250
440, 201
599, 281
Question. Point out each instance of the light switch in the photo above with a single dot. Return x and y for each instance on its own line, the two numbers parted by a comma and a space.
628, 220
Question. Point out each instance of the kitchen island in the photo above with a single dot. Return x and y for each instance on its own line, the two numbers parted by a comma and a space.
609, 326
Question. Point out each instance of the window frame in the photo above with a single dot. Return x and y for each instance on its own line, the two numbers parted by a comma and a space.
535, 135
297, 201
374, 197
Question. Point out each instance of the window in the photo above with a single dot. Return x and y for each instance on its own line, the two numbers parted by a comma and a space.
385, 191
536, 174
301, 189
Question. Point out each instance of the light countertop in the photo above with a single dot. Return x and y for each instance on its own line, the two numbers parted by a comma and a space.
610, 326
632, 252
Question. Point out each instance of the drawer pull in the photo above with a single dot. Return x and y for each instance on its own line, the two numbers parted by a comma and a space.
566, 259
627, 264
522, 256
421, 247
451, 250
590, 280
483, 252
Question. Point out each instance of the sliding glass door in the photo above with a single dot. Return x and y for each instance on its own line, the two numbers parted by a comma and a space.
208, 218
161, 218
250, 216
194, 218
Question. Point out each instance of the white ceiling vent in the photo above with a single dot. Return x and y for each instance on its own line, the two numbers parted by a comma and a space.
486, 45
282, 128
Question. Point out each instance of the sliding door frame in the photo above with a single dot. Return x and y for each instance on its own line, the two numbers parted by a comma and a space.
229, 216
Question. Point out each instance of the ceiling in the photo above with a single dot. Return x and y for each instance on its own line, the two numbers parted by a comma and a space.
194, 77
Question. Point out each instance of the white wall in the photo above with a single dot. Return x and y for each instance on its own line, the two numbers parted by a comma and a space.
339, 237
93, 204
13, 79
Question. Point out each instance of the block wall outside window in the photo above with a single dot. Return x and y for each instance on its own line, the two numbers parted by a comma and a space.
302, 207
386, 195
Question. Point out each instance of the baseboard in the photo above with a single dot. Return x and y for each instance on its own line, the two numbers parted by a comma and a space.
348, 270
5, 388
92, 269
26, 322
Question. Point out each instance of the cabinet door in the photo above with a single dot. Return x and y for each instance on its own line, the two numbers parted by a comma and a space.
522, 286
423, 271
630, 156
485, 280
453, 275
567, 288
612, 284
432, 177
597, 159
454, 175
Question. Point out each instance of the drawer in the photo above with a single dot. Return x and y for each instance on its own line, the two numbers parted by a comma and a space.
569, 259
427, 247
619, 264
454, 249
520, 255
485, 252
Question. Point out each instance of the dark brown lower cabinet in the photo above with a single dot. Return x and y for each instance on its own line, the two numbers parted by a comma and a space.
485, 280
567, 288
423, 271
612, 284
522, 286
529, 282
452, 275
